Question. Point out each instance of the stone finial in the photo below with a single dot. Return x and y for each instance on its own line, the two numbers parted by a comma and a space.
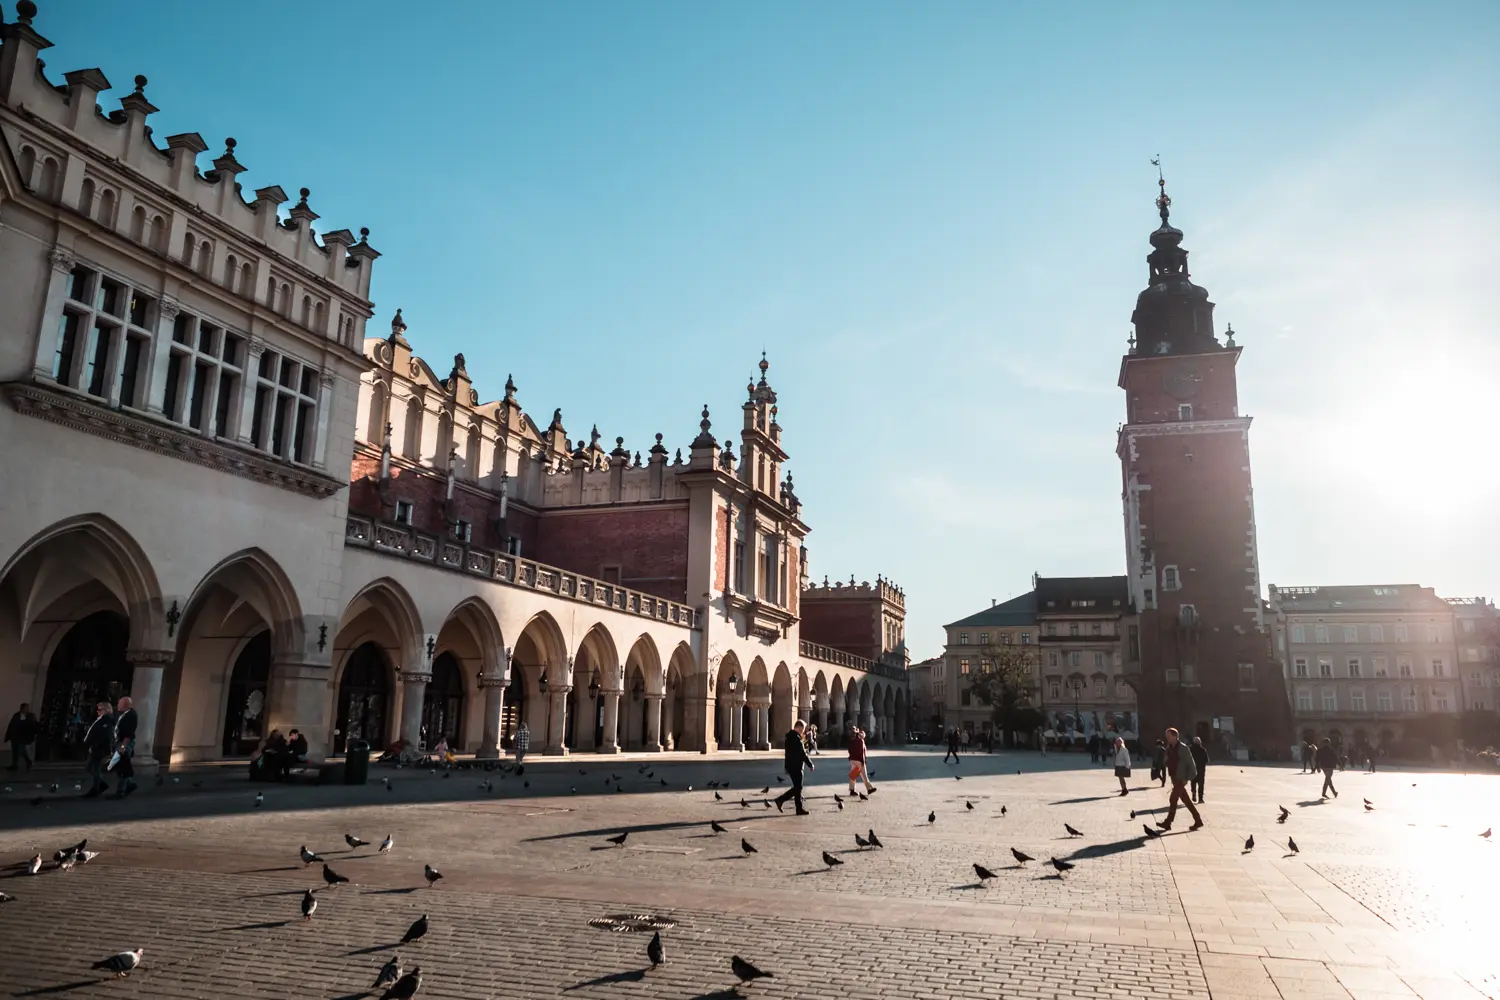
1229, 335
594, 436
678, 459
556, 420
398, 329
304, 192
25, 11
510, 387
140, 84
657, 448
459, 367
364, 234
637, 460
705, 438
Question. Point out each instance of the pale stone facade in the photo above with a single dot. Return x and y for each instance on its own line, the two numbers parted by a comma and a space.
191, 391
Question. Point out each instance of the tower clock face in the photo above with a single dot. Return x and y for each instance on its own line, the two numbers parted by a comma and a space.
1183, 381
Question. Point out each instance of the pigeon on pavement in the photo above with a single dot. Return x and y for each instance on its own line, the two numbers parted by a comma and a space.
1153, 834
745, 972
619, 839
932, 816
6, 897
35, 864
1368, 806
1061, 866
332, 877
309, 904
874, 840
386, 844
746, 846
1487, 831
1292, 846
654, 951
260, 797
969, 806
984, 873
1002, 810
406, 987
830, 860
354, 842
718, 797
860, 841
415, 931
1250, 842
431, 874
122, 964
308, 857
1021, 859
714, 826
1284, 814
1072, 832
389, 973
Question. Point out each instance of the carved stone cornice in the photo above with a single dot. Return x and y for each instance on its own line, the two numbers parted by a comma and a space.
62, 407
150, 657
493, 682
413, 677
61, 258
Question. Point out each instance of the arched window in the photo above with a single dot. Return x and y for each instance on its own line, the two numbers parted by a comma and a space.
285, 306
444, 442
138, 224
205, 258
247, 280
471, 453
50, 176
270, 292
86, 198
27, 164
231, 270
107, 209
159, 234
411, 439
307, 310
317, 317
375, 429
188, 243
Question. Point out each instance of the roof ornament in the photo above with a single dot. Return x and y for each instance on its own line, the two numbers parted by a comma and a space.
398, 327
510, 387
1130, 341
556, 419
364, 235
704, 438
25, 11
594, 437
140, 85
1229, 334
764, 367
304, 192
1163, 202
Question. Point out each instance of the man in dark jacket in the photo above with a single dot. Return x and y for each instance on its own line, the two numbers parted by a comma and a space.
20, 734
952, 746
1200, 758
1327, 760
99, 741
796, 759
1180, 768
125, 726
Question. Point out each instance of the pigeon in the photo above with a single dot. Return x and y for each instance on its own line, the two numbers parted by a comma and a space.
1284, 814
572, 790
6, 897
830, 860
52, 788
714, 826
1487, 832
984, 873
745, 972
863, 797
354, 842
1021, 859
260, 798
406, 987
488, 786
389, 973
67, 863
650, 774
718, 797
386, 844
1061, 866
875, 841
744, 804
1002, 808
654, 951
1369, 803
75, 849
619, 839
932, 816
664, 784
765, 790
969, 806
1250, 842
1132, 814
308, 857
766, 803
582, 771
1291, 845
1072, 832
122, 964
332, 877
390, 786
161, 780
958, 777
840, 804
447, 774
1153, 834
431, 874
84, 857
1368, 806
309, 904
860, 841
746, 846
838, 798
35, 864
416, 930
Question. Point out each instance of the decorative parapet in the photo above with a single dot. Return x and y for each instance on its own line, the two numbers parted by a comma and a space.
839, 658
881, 588
499, 567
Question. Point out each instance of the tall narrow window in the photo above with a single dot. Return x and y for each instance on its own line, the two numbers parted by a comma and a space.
104, 327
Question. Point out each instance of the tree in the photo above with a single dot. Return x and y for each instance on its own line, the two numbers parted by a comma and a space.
1004, 682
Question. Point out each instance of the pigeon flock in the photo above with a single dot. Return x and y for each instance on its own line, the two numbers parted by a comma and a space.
394, 981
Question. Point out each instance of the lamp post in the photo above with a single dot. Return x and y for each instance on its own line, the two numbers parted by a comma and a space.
1077, 693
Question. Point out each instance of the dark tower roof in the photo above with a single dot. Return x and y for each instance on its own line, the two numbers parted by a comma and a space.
1173, 315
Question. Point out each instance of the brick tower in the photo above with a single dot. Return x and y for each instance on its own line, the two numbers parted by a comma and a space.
1202, 659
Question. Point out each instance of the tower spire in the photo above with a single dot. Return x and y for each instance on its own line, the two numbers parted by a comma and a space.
1163, 201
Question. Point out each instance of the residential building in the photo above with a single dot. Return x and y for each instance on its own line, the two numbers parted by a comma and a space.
1369, 665
1190, 546
925, 713
1085, 627
247, 514
969, 650
1476, 626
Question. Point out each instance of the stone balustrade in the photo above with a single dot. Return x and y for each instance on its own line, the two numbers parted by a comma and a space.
839, 658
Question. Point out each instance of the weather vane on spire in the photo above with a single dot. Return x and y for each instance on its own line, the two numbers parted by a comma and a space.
1163, 203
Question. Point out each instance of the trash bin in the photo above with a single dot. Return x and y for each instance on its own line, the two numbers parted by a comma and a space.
356, 762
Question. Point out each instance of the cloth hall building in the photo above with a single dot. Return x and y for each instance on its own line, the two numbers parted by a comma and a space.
248, 513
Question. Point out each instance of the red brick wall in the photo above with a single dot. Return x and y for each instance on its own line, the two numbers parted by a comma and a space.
1150, 401
721, 549
426, 492
649, 544
843, 623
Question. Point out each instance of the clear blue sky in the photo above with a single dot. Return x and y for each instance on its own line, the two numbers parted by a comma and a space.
933, 217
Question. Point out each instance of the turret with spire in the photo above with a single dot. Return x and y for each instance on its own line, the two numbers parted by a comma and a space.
760, 439
1172, 315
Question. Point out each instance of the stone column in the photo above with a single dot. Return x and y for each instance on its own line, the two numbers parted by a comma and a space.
493, 686
297, 698
611, 722
413, 697
557, 722
61, 260
737, 721
653, 723
763, 727
822, 717
147, 666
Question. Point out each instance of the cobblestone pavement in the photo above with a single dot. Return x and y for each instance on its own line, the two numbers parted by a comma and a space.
1394, 902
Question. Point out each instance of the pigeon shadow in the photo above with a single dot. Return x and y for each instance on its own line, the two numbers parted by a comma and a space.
356, 996
1312, 802
632, 976
1089, 798
733, 994
729, 857
614, 830
372, 949
61, 988
1105, 850
261, 871
281, 892
391, 892
263, 926
810, 871
971, 885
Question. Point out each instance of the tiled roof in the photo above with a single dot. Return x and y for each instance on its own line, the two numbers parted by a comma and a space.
1016, 611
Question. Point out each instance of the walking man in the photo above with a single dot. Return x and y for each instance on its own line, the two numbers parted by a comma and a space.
124, 738
952, 747
20, 734
100, 743
1180, 766
858, 764
1327, 760
1093, 748
1200, 761
522, 744
796, 760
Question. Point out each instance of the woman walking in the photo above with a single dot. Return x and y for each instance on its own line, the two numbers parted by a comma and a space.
858, 766
1122, 763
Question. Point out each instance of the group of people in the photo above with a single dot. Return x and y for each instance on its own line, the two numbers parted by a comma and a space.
109, 742
276, 755
802, 738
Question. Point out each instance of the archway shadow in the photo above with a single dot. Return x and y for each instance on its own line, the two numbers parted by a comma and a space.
632, 976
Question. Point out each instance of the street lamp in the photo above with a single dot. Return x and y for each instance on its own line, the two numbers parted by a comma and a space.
1077, 693
734, 682
542, 684
594, 685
